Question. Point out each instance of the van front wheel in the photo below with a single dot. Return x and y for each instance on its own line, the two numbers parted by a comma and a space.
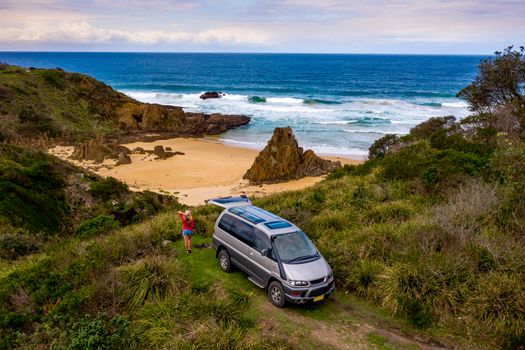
224, 260
276, 294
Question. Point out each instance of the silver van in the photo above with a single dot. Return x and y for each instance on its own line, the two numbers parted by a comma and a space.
275, 253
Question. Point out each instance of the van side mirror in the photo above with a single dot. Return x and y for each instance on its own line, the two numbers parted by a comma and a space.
265, 252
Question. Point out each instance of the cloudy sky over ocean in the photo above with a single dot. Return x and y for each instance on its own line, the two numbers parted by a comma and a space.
378, 26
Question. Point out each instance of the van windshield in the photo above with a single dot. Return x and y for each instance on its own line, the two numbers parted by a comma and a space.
294, 247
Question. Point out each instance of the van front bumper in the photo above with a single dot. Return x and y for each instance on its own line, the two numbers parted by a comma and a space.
301, 295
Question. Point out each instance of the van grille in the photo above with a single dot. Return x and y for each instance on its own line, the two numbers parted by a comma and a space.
322, 290
317, 281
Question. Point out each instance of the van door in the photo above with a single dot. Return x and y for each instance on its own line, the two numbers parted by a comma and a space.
230, 201
265, 266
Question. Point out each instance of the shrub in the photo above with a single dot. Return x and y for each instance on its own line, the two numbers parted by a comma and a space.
109, 188
150, 278
406, 290
16, 245
362, 277
99, 333
498, 303
464, 213
383, 146
97, 225
53, 77
427, 128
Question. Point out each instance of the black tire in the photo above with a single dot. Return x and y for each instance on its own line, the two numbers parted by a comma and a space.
276, 294
224, 260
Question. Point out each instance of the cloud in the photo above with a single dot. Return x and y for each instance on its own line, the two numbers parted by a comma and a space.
269, 25
84, 32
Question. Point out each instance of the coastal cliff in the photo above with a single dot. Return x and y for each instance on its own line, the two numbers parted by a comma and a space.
58, 106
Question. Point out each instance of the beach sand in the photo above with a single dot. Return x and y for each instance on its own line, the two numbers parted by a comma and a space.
207, 169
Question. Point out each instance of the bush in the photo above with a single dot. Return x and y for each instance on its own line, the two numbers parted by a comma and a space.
16, 245
99, 333
109, 188
383, 146
97, 225
150, 278
408, 291
53, 77
498, 303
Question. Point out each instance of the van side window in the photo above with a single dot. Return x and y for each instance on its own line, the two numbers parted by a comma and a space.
243, 231
226, 223
261, 241
237, 228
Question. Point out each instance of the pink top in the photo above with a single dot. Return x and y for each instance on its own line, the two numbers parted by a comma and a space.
187, 225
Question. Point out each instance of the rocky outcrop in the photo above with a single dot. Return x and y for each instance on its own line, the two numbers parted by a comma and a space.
143, 117
211, 94
98, 150
282, 159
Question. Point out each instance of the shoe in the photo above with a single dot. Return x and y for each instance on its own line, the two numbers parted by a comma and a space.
189, 251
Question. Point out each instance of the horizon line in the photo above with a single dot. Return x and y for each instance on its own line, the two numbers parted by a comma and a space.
253, 53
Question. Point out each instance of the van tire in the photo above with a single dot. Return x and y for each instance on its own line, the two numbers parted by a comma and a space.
276, 294
224, 260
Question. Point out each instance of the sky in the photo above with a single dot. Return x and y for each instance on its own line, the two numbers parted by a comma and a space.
309, 26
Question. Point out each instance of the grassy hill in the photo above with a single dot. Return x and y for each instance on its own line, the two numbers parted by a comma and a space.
425, 239
45, 105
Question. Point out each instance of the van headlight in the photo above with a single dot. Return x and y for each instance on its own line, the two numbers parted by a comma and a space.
298, 283
330, 275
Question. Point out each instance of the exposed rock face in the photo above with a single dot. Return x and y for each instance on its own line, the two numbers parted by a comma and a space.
159, 152
97, 150
282, 159
123, 158
144, 117
211, 94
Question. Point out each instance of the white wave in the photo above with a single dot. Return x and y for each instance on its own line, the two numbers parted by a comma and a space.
289, 100
459, 104
334, 122
374, 131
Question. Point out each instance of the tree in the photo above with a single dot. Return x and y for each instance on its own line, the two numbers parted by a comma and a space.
500, 83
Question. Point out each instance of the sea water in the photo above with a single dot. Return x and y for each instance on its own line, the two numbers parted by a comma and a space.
336, 104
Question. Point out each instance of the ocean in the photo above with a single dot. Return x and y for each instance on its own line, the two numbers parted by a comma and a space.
336, 104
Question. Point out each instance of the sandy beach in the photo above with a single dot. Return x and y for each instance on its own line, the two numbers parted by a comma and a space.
207, 169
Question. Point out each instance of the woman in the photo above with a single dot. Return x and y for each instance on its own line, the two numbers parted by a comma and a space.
188, 225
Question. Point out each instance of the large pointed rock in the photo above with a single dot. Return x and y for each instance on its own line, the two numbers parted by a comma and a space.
282, 159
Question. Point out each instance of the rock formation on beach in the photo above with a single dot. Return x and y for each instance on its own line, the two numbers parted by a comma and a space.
98, 150
282, 159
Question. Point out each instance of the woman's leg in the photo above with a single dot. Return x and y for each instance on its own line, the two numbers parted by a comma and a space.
186, 242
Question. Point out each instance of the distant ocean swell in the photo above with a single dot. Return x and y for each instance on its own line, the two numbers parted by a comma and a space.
347, 126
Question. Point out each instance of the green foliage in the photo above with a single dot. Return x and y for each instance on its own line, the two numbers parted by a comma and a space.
97, 225
498, 303
16, 245
98, 333
109, 188
31, 190
383, 146
54, 77
151, 278
500, 81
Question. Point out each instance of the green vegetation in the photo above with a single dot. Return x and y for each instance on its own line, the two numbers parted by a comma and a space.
425, 240
54, 103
